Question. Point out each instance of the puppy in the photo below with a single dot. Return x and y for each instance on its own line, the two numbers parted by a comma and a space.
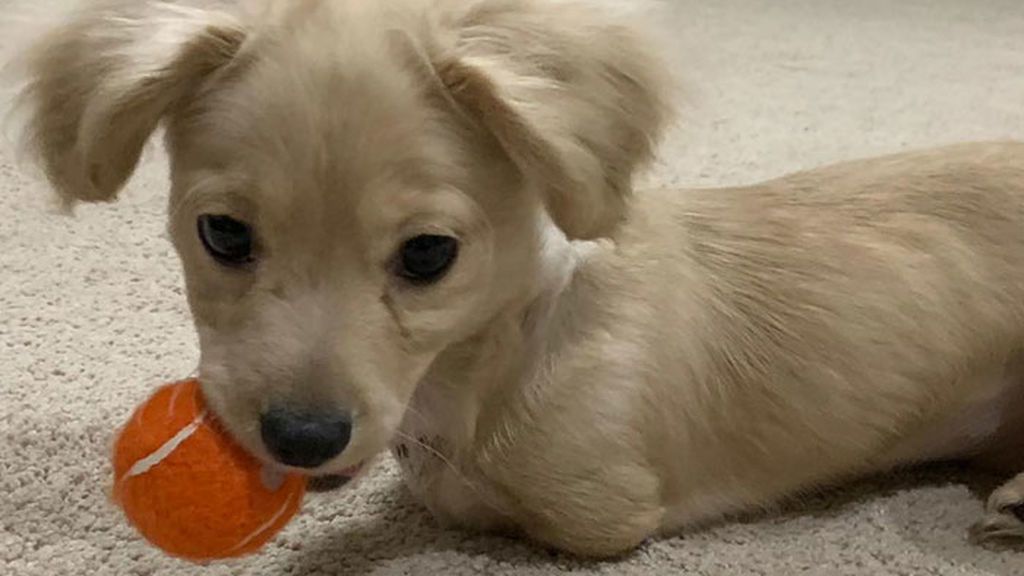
412, 225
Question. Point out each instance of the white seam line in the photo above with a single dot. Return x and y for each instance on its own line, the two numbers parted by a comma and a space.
174, 400
144, 464
277, 515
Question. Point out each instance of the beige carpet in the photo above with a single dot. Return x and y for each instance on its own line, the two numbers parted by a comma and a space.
92, 314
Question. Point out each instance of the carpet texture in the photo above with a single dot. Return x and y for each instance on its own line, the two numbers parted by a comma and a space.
92, 314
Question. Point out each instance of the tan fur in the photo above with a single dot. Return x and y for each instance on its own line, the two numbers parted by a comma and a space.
711, 352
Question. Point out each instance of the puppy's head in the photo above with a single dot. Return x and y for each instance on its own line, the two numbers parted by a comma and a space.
356, 185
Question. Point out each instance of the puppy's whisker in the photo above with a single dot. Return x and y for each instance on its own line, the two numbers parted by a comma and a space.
434, 451
451, 466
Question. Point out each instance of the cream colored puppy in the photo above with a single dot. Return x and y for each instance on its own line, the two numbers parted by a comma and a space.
411, 224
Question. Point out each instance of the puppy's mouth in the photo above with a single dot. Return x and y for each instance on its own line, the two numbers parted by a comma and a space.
329, 482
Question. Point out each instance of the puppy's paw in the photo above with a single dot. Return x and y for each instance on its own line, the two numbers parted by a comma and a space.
1003, 522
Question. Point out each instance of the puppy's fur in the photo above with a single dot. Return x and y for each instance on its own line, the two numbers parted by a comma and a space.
599, 365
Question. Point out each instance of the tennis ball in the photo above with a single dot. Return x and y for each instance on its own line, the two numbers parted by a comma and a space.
189, 488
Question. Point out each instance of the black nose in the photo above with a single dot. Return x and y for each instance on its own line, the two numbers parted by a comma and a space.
304, 440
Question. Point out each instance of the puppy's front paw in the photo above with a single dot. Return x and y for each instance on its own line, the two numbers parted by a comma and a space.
1004, 516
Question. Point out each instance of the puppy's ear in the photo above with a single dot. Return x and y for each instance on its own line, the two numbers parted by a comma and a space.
573, 95
98, 86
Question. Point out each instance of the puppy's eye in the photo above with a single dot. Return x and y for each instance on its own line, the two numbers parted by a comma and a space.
426, 258
228, 241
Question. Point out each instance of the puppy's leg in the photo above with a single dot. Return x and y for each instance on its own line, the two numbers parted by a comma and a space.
590, 494
1004, 511
1004, 514
604, 515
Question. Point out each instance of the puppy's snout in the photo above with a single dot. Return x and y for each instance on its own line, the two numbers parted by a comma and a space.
305, 440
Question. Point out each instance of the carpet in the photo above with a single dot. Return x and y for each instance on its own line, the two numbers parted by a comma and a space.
92, 313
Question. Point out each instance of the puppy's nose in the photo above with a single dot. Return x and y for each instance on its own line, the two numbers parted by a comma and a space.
305, 440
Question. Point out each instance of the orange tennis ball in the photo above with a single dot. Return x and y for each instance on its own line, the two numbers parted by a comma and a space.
189, 488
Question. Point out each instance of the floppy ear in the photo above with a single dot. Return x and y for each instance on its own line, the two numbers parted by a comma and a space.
99, 85
573, 95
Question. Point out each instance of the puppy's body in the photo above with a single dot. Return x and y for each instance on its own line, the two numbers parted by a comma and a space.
596, 365
735, 346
